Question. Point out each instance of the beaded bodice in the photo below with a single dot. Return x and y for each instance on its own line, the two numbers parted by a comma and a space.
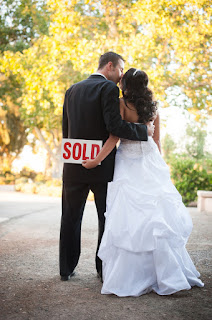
135, 149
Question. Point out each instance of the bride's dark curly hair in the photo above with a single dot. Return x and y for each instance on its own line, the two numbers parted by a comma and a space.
135, 91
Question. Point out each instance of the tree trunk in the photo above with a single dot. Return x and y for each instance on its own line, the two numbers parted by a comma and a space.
57, 166
54, 157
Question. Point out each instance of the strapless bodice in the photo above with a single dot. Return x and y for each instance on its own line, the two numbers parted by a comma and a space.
135, 149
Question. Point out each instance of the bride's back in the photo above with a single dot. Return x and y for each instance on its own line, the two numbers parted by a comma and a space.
128, 112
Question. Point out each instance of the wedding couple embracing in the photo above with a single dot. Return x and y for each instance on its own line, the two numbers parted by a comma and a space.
143, 226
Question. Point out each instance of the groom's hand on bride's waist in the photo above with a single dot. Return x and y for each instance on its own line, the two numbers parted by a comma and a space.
150, 128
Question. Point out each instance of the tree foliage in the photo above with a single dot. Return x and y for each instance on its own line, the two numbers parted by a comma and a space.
196, 142
21, 21
168, 147
190, 175
170, 40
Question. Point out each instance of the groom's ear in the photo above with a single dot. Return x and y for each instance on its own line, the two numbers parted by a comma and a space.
110, 66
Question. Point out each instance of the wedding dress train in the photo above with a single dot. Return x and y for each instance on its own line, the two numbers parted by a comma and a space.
147, 227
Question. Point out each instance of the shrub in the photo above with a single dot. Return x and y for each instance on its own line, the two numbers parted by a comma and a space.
54, 182
7, 177
49, 188
28, 173
190, 175
40, 177
19, 183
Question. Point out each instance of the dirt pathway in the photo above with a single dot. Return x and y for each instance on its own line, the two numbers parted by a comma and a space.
31, 287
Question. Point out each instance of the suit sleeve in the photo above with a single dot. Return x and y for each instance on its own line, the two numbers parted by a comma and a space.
65, 117
113, 120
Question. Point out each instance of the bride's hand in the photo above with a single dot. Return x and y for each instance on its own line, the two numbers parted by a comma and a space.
89, 164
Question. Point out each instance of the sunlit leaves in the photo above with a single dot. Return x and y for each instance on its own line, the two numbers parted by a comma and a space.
170, 40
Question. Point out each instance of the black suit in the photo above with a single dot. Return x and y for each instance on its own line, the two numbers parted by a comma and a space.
90, 111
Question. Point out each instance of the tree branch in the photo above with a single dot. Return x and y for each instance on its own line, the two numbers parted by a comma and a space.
43, 141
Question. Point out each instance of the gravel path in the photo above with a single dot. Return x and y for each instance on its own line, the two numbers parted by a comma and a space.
31, 287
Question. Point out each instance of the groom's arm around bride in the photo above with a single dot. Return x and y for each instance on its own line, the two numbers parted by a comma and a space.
91, 112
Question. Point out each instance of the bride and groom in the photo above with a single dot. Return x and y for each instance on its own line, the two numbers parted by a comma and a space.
141, 247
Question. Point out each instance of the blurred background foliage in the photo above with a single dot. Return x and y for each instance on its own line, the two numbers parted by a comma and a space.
192, 169
47, 45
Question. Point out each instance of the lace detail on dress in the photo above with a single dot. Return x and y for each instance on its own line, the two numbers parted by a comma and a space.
136, 149
149, 146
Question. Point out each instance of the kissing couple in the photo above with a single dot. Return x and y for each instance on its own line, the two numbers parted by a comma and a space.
143, 225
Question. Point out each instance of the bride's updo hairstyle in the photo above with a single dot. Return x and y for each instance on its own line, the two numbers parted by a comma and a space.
135, 90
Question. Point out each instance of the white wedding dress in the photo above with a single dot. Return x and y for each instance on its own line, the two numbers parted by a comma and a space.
147, 227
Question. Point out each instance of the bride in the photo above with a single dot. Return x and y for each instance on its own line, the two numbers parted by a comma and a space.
147, 225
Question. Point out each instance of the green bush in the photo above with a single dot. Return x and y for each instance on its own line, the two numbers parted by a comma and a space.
7, 177
40, 177
190, 175
50, 188
28, 173
28, 181
54, 183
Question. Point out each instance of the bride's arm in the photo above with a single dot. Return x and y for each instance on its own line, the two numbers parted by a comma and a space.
106, 149
156, 135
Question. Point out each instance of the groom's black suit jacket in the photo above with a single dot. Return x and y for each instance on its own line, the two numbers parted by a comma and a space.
91, 112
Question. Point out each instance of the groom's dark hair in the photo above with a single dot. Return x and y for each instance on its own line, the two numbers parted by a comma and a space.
109, 56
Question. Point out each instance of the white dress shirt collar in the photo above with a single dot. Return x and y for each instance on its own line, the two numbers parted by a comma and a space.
98, 74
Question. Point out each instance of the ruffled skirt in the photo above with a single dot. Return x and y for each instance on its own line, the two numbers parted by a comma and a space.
147, 228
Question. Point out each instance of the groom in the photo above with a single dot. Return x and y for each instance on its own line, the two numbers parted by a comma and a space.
91, 112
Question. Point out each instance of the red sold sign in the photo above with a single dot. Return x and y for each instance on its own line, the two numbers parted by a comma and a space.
77, 150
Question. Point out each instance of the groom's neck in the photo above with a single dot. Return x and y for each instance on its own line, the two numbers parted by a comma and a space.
103, 72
